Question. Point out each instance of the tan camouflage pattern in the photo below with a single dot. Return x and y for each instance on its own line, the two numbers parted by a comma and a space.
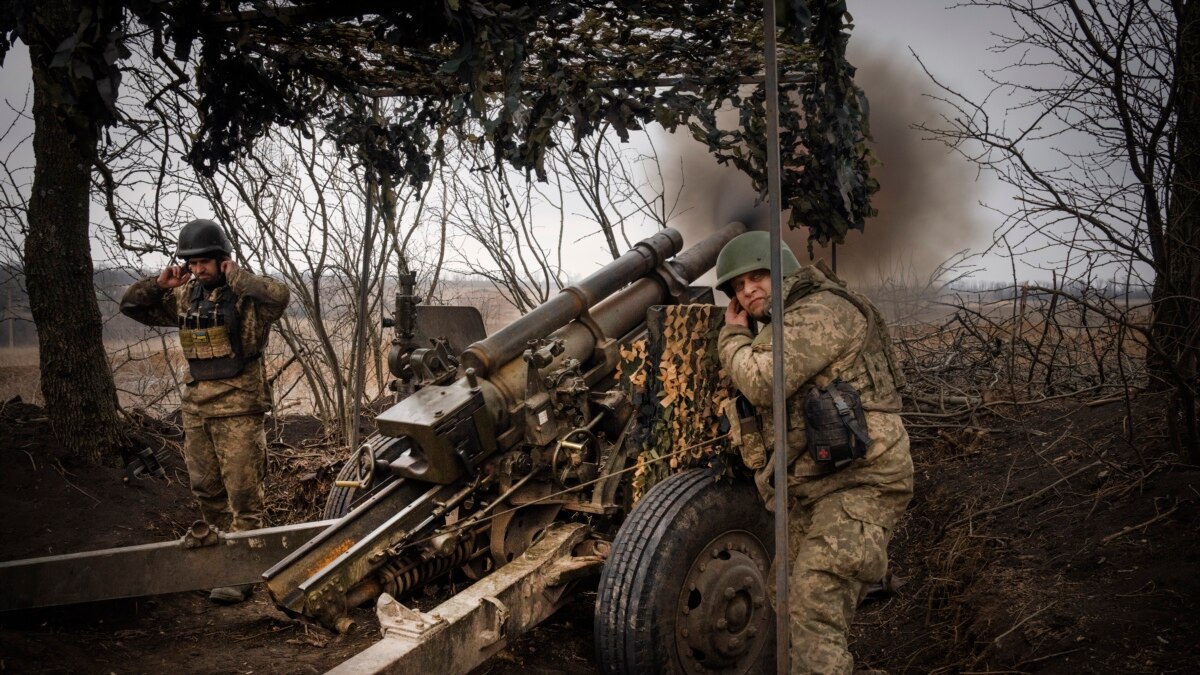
227, 461
674, 380
839, 523
224, 443
261, 301
824, 333
836, 552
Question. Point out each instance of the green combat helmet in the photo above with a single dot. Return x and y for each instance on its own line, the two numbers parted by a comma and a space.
748, 252
202, 239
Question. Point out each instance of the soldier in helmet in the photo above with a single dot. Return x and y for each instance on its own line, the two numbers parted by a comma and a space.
224, 314
850, 475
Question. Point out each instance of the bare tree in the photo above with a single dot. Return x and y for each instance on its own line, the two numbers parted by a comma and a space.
76, 383
299, 208
1100, 139
521, 258
616, 186
295, 208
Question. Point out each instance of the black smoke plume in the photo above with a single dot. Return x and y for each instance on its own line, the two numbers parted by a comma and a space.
927, 200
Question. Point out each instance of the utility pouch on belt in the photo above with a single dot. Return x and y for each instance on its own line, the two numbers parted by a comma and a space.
745, 432
836, 425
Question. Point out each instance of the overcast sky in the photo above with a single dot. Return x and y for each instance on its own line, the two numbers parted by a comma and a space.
954, 41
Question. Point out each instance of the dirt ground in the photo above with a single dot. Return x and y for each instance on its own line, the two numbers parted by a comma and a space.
1049, 543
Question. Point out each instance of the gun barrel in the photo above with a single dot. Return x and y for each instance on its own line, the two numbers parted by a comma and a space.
571, 302
616, 316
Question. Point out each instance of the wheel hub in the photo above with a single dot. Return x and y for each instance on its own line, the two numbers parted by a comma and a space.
722, 619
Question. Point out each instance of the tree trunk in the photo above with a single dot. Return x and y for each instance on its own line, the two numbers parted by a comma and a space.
77, 384
1175, 325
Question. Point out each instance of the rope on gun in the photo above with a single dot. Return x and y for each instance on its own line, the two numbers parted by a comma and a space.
451, 528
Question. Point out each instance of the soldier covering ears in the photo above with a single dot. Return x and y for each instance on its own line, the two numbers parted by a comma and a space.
850, 475
224, 314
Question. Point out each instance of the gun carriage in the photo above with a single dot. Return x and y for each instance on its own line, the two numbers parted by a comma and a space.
505, 460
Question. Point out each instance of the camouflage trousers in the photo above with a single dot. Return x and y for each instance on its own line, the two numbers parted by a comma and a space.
227, 462
836, 550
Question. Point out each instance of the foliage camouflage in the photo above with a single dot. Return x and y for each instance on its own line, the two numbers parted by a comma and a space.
516, 70
677, 387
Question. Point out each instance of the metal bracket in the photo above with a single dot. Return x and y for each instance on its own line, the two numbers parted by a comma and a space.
677, 286
571, 568
398, 622
434, 364
499, 622
475, 623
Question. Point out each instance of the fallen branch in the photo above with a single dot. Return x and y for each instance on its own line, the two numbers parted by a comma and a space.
1139, 526
1023, 621
1049, 656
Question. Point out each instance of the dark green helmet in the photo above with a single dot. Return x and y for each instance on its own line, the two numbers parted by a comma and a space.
748, 252
203, 239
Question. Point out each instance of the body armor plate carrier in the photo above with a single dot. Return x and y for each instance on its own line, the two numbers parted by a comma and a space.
210, 334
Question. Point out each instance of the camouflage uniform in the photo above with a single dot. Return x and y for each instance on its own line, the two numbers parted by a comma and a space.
839, 523
224, 444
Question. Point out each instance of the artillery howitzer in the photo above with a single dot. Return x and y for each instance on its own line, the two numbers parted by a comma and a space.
510, 464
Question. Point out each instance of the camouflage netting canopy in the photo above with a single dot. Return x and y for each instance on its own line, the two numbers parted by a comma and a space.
389, 80
678, 389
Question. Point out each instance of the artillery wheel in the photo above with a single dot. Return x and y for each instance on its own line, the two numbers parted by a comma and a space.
685, 586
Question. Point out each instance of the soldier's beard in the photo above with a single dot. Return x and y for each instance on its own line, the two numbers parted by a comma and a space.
762, 311
215, 282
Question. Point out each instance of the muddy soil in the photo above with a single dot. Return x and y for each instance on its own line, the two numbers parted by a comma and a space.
1063, 541
1048, 544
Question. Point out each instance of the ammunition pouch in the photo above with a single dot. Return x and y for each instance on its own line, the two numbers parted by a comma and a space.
745, 432
210, 335
836, 425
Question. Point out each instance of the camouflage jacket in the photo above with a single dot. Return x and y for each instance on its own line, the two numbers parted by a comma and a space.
261, 301
829, 332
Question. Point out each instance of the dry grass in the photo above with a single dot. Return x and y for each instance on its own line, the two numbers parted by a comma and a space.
999, 357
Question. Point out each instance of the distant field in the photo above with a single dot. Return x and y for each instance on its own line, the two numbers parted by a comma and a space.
135, 379
146, 375
147, 366
19, 374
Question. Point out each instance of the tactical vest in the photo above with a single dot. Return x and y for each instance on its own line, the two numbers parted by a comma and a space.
875, 373
211, 336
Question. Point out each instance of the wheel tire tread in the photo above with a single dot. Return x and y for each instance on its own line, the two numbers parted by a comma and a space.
645, 527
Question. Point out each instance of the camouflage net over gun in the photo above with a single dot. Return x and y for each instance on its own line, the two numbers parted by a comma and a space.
676, 383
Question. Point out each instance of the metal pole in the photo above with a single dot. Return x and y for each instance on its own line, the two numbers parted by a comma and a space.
779, 396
